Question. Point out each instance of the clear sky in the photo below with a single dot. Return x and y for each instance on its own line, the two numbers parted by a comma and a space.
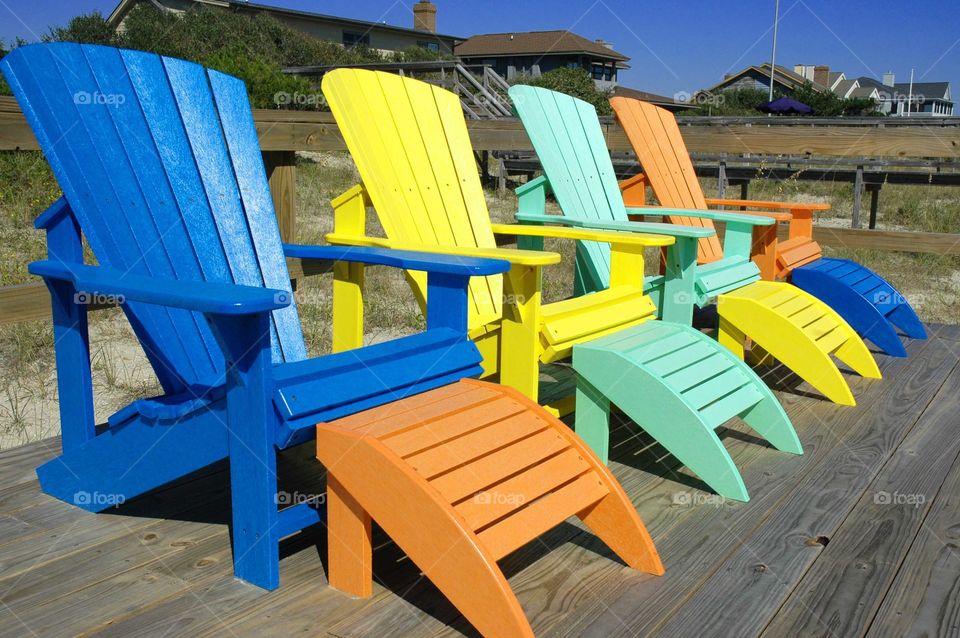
675, 45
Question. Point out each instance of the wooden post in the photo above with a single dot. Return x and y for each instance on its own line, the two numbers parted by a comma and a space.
281, 169
501, 176
857, 197
745, 189
874, 201
722, 180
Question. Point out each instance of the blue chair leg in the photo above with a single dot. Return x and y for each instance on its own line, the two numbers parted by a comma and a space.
252, 451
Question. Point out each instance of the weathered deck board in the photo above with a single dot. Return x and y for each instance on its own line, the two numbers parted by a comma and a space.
698, 548
842, 590
161, 564
742, 596
924, 600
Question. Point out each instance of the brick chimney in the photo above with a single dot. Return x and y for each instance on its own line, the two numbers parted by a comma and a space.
821, 75
425, 16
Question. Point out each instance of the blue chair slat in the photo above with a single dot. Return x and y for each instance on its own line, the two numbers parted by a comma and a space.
356, 375
874, 311
86, 181
194, 101
236, 118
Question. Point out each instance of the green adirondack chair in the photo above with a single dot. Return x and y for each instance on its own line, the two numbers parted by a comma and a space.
782, 320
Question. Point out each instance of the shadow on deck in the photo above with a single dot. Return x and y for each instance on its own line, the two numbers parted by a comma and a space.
857, 536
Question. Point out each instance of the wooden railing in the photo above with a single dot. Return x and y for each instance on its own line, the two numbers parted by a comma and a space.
282, 133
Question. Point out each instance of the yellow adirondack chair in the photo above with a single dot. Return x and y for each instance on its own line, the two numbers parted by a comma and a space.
410, 143
420, 175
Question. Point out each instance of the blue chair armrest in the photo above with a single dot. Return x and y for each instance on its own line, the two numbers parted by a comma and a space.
201, 296
54, 213
406, 259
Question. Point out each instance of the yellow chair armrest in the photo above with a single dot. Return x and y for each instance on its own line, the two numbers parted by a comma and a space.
517, 257
582, 234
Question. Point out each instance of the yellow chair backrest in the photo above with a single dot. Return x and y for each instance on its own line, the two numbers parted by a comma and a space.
656, 140
410, 143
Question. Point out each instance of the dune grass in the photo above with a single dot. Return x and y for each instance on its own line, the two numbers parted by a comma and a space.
28, 402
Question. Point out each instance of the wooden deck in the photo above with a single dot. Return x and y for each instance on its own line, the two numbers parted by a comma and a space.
858, 536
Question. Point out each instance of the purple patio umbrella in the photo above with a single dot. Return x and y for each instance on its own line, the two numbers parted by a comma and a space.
785, 106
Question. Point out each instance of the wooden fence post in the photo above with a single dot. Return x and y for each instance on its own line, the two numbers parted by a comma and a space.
874, 203
722, 180
282, 173
857, 197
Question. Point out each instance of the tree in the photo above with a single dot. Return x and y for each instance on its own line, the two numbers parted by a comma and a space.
253, 48
829, 104
730, 103
576, 82
91, 28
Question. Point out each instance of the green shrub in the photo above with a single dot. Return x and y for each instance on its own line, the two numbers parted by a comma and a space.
418, 54
254, 48
4, 87
829, 104
90, 28
732, 102
266, 86
576, 82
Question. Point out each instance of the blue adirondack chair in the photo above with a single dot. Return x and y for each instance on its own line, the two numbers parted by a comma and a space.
161, 171
160, 168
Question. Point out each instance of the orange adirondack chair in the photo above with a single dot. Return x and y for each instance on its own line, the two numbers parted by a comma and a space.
864, 299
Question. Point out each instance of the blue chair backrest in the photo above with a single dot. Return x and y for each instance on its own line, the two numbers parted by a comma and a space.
160, 163
566, 135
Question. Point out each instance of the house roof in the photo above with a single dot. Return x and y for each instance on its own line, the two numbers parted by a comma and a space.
865, 91
533, 43
936, 90
782, 75
930, 90
117, 15
833, 76
844, 87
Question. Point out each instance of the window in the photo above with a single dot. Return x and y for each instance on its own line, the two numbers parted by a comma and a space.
356, 38
430, 46
602, 72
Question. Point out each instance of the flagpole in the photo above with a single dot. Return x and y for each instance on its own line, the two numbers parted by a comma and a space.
773, 56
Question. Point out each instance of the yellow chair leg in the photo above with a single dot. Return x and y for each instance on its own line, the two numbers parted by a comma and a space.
520, 331
731, 337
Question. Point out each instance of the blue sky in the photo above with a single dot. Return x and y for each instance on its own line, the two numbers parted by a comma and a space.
674, 46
